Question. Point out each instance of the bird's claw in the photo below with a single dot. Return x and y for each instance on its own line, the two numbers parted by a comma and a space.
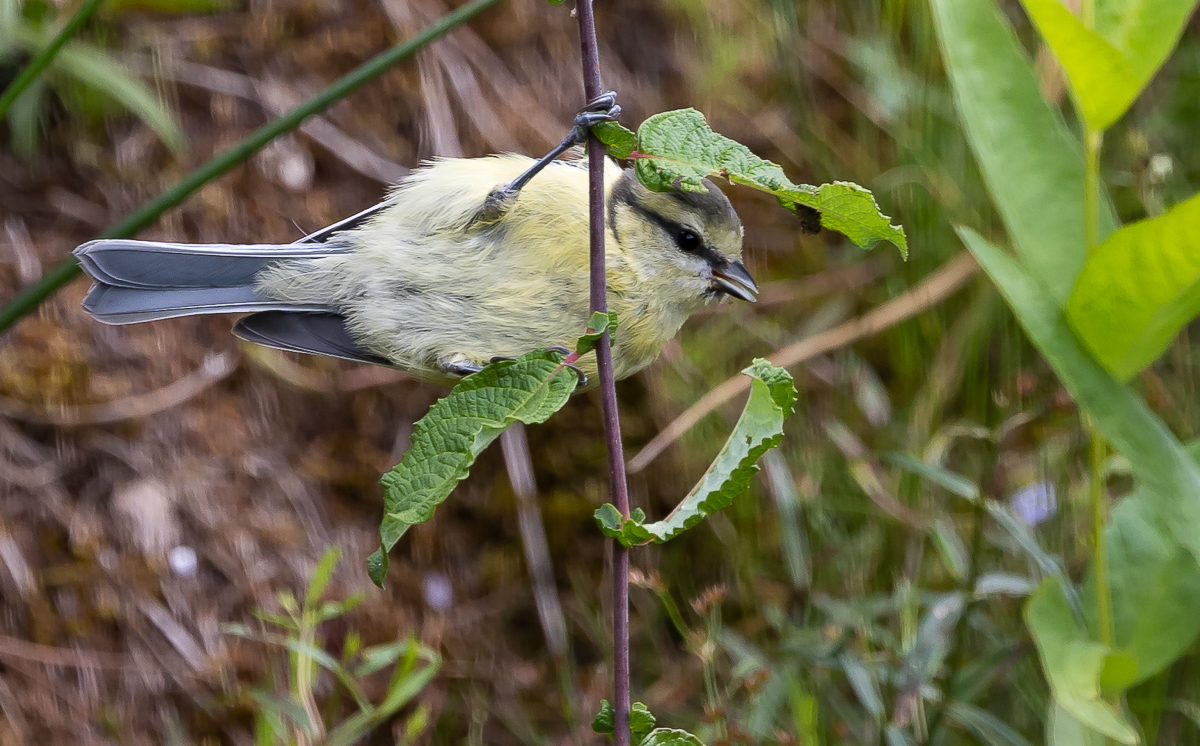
559, 349
603, 108
500, 359
583, 379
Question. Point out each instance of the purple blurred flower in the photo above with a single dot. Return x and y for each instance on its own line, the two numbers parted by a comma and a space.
1035, 503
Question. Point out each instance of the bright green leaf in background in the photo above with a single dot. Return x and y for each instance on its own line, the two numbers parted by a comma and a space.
1155, 589
677, 149
446, 441
1158, 460
1139, 288
1103, 83
1110, 65
1032, 164
759, 429
1073, 663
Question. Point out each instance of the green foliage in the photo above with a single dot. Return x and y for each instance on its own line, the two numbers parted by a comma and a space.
1073, 662
618, 141
1031, 163
760, 428
988, 728
1139, 288
67, 60
1158, 460
598, 324
1110, 65
677, 150
641, 728
446, 441
280, 718
641, 721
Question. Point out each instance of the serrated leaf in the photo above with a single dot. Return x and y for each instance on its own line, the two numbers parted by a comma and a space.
1139, 288
618, 141
597, 325
759, 429
671, 737
446, 441
641, 721
677, 150
1073, 662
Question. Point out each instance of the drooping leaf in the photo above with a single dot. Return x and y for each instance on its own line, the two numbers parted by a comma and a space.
759, 429
677, 149
446, 441
1158, 460
1032, 164
597, 325
1073, 662
1139, 288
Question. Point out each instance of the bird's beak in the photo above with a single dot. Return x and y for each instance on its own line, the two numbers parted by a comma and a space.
733, 279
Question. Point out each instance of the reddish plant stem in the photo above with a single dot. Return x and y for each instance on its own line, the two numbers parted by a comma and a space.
589, 51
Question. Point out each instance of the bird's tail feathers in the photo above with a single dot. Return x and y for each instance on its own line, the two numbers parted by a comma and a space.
148, 280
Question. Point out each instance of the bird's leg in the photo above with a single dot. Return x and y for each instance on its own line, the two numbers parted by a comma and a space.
603, 108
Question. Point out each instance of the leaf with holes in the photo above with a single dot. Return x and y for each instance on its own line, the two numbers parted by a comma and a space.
677, 150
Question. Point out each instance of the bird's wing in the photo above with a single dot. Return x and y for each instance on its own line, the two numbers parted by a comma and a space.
314, 333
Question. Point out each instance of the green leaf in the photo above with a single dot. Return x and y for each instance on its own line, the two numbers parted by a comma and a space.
1032, 164
641, 721
1109, 66
759, 429
95, 69
953, 483
1155, 589
677, 149
1139, 288
1159, 462
1101, 79
446, 441
985, 726
321, 575
1064, 730
671, 737
597, 325
951, 548
618, 141
1073, 662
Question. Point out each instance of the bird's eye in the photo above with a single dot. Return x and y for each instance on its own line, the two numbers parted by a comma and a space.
687, 241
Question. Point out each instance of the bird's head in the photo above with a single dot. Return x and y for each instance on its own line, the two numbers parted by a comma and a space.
687, 245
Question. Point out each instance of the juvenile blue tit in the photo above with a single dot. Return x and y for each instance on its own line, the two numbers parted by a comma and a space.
436, 283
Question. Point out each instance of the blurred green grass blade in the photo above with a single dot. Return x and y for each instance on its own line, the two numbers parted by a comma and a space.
94, 69
1072, 662
1031, 163
25, 120
29, 298
1139, 288
1155, 588
985, 726
1103, 84
46, 54
1156, 457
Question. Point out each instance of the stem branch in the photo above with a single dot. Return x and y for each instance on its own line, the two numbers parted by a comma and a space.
589, 51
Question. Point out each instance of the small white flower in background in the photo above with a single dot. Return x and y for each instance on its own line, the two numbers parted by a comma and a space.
1160, 167
183, 562
437, 591
1035, 503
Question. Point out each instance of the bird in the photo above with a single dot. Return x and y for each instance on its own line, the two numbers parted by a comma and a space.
466, 260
